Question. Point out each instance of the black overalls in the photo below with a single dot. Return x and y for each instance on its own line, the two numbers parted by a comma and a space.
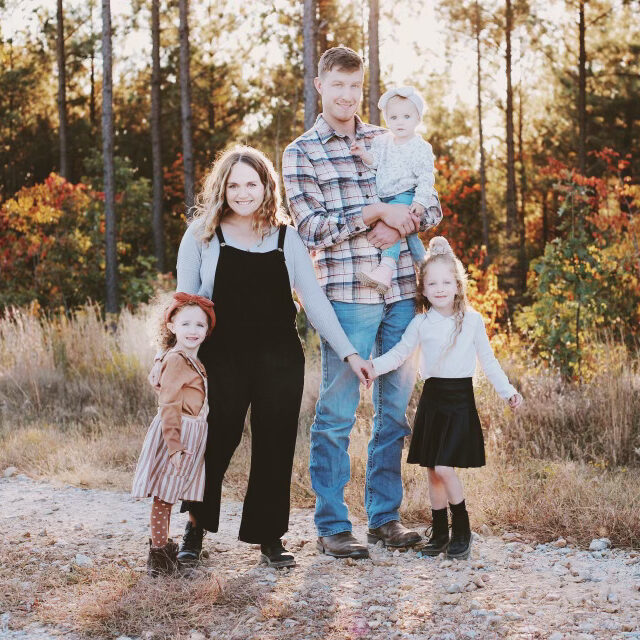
253, 358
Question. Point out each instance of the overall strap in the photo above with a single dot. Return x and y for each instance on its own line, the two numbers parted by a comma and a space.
281, 234
220, 236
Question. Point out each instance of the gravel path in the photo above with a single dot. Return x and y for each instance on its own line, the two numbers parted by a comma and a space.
510, 588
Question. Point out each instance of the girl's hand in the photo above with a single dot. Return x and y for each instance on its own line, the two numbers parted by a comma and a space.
416, 209
359, 367
154, 375
515, 401
371, 373
358, 148
177, 457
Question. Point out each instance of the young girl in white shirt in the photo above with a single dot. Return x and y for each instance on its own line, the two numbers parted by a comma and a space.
403, 163
447, 431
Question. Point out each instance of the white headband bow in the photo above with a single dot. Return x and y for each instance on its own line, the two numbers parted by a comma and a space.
404, 92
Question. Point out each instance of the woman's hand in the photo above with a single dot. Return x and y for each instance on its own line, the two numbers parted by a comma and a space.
154, 375
177, 457
359, 367
515, 401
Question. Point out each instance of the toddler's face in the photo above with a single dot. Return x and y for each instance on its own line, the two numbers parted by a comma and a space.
440, 286
401, 117
189, 326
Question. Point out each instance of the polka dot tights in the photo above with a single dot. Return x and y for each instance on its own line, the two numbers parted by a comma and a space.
160, 519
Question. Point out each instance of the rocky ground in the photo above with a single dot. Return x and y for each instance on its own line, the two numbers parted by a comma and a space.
511, 587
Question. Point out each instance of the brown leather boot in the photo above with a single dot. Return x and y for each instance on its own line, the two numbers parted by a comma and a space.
393, 534
162, 560
342, 545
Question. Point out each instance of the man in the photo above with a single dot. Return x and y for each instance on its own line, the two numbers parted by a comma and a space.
332, 196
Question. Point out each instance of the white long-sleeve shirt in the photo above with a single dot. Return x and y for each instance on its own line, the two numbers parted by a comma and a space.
197, 263
401, 167
432, 332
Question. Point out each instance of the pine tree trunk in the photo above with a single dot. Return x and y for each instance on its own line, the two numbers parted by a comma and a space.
185, 105
483, 170
309, 32
582, 93
156, 140
374, 62
107, 152
62, 93
512, 211
522, 255
92, 79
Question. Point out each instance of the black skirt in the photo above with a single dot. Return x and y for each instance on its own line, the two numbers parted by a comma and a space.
447, 430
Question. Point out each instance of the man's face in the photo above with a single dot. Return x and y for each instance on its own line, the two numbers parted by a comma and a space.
341, 92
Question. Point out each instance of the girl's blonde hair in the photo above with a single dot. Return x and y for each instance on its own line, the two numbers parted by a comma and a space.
440, 251
211, 204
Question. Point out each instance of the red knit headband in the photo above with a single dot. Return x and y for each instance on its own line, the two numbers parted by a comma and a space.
181, 299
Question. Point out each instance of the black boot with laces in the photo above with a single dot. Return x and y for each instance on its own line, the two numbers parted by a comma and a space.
460, 545
439, 538
191, 547
275, 555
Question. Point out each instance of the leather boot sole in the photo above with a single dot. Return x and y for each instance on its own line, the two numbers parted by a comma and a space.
463, 555
372, 538
276, 564
359, 554
370, 282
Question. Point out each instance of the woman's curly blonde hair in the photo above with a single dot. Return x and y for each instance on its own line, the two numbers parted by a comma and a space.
211, 204
440, 250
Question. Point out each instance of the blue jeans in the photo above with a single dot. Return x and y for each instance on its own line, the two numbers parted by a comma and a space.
414, 243
377, 328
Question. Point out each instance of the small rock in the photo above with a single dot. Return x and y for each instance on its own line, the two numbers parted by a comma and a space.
513, 616
10, 471
552, 597
510, 536
599, 544
445, 564
123, 638
474, 605
290, 622
455, 588
485, 530
478, 581
82, 561
587, 627
374, 624
556, 635
559, 543
494, 619
78, 527
451, 598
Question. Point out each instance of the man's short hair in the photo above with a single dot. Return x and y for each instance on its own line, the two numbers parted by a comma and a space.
343, 58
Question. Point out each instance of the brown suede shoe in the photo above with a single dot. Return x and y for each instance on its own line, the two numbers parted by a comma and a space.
393, 534
342, 545
162, 560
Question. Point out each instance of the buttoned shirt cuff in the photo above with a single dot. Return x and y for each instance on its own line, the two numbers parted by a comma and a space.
355, 222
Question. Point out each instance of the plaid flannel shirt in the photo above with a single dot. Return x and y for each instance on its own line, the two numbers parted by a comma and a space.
327, 187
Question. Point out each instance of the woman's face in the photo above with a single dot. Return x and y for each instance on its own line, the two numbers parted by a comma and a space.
245, 191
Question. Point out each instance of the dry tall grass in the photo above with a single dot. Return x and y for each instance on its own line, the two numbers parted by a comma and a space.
75, 405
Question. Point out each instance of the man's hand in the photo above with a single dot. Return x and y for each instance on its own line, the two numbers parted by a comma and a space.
400, 217
382, 236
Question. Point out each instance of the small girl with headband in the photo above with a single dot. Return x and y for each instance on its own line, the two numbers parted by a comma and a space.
446, 431
171, 463
403, 162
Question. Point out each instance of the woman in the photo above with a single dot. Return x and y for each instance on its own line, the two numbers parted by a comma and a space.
238, 252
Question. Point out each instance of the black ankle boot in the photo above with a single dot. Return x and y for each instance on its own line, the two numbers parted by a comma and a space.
439, 538
275, 555
460, 545
191, 547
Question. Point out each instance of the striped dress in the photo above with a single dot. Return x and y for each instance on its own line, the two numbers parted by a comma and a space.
156, 476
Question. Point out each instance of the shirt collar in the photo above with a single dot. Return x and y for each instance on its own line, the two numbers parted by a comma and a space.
325, 131
435, 316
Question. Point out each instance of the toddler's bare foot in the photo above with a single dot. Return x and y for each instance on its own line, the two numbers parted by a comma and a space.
378, 278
